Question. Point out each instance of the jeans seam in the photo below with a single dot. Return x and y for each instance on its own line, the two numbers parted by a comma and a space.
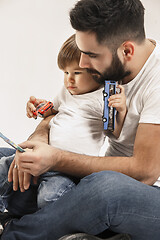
67, 188
125, 214
95, 225
139, 215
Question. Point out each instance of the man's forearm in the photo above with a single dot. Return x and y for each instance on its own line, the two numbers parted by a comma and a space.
82, 165
41, 133
144, 165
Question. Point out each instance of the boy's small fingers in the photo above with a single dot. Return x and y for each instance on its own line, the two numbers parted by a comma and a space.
114, 97
121, 88
31, 106
111, 103
115, 105
32, 99
29, 115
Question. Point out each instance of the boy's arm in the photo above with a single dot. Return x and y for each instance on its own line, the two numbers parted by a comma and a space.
120, 117
119, 102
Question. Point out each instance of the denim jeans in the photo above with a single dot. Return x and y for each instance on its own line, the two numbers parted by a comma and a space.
5, 152
15, 202
51, 186
100, 201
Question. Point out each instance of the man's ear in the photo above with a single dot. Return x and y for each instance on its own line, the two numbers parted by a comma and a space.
127, 49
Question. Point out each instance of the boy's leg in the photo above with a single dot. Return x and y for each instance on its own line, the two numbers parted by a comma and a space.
5, 152
16, 203
104, 200
5, 186
52, 185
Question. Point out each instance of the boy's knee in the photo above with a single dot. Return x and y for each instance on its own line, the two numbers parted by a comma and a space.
41, 201
5, 163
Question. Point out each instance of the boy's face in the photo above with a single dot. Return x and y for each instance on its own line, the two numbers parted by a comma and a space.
78, 81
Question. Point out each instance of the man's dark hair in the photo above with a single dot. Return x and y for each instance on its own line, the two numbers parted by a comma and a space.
113, 21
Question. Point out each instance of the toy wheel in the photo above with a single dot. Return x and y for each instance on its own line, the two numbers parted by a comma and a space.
105, 94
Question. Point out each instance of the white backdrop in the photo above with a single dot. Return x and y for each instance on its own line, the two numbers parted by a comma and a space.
31, 34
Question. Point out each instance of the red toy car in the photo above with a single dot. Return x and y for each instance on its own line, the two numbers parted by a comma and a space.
42, 108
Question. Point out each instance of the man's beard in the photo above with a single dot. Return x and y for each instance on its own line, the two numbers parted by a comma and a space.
115, 72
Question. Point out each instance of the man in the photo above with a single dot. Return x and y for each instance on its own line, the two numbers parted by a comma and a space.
116, 192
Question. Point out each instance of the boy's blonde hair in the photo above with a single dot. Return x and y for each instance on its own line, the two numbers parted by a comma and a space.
68, 53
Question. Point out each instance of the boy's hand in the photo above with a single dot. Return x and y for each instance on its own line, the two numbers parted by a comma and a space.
32, 104
118, 100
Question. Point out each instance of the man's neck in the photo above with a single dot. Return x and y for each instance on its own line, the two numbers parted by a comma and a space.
142, 53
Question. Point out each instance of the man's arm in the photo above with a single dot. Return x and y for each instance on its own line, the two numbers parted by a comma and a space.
41, 133
18, 177
144, 165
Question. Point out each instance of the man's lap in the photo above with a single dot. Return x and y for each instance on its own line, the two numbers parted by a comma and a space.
104, 200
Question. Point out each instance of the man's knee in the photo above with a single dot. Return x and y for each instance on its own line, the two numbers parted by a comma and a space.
109, 185
106, 179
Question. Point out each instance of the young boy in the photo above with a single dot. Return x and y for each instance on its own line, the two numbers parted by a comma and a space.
77, 126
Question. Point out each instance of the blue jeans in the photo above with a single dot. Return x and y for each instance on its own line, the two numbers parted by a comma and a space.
5, 152
16, 203
51, 186
100, 201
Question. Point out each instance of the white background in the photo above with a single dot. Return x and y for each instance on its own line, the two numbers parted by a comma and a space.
31, 34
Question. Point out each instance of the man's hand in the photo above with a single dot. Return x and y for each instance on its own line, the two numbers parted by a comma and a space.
38, 160
20, 179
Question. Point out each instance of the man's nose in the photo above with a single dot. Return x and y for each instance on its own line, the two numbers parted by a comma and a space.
84, 61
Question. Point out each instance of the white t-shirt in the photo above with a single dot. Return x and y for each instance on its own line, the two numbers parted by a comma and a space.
78, 125
143, 103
